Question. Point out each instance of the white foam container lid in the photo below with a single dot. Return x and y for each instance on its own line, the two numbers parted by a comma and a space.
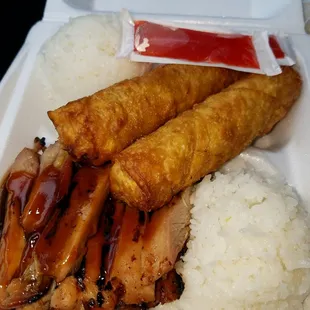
22, 116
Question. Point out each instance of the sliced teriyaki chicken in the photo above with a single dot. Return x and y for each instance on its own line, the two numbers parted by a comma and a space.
164, 237
94, 294
169, 288
126, 265
93, 258
50, 187
64, 246
28, 288
23, 172
86, 287
49, 156
105, 299
114, 216
43, 303
67, 295
147, 250
61, 245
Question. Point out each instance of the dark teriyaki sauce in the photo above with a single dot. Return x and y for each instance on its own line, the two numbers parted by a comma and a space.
139, 230
60, 209
102, 277
142, 306
35, 298
100, 299
113, 213
28, 250
80, 275
44, 287
91, 303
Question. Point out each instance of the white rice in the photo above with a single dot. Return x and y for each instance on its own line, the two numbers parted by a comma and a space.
80, 59
249, 245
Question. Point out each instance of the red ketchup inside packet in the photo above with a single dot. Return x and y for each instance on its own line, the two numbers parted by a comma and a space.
276, 48
199, 46
164, 42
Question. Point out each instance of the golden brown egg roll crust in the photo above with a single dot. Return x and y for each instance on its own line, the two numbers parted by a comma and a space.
147, 174
97, 127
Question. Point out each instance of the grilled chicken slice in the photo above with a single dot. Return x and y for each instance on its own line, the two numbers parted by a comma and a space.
115, 217
70, 296
42, 304
83, 287
99, 299
93, 259
126, 266
64, 245
23, 172
27, 162
169, 288
49, 156
67, 295
28, 288
164, 237
92, 294
99, 256
50, 187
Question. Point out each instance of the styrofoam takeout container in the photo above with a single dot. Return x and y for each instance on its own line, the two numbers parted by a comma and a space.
23, 112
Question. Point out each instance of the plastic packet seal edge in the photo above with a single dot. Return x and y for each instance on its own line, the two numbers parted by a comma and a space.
128, 34
286, 45
223, 29
267, 61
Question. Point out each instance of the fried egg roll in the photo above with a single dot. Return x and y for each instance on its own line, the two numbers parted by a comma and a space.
147, 174
95, 128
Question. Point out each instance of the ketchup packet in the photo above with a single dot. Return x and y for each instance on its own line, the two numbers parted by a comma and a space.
161, 43
282, 49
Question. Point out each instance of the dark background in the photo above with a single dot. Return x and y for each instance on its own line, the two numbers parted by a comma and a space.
16, 19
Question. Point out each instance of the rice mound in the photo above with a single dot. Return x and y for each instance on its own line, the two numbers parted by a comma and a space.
249, 245
80, 59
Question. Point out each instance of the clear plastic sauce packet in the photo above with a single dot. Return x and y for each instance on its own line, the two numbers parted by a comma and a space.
158, 43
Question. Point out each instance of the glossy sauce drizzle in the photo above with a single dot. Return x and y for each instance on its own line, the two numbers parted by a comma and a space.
42, 200
111, 237
27, 255
13, 239
19, 184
